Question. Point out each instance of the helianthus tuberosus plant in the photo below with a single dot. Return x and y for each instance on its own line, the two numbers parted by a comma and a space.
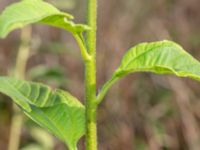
58, 111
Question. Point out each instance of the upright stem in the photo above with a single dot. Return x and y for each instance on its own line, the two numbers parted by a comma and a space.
91, 129
21, 60
92, 22
90, 78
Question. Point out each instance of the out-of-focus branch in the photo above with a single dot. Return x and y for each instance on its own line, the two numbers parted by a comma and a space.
21, 61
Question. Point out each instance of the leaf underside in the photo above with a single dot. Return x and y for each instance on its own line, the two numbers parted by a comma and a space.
56, 110
27, 12
163, 57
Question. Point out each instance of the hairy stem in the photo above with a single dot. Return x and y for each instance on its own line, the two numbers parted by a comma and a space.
90, 78
21, 60
91, 133
92, 22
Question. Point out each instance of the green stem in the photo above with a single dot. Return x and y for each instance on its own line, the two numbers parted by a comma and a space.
90, 78
21, 60
91, 129
105, 89
73, 148
92, 22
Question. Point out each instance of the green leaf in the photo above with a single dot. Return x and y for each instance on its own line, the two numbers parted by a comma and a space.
56, 110
27, 12
163, 57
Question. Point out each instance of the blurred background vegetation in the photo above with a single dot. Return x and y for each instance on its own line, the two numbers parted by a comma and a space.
141, 112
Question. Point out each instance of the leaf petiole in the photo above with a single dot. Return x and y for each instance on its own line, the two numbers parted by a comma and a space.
86, 57
105, 89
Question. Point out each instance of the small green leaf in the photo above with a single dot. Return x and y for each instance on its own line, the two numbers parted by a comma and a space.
56, 110
27, 12
164, 57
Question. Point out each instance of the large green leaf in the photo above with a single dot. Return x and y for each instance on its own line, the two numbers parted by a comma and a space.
27, 12
163, 57
56, 110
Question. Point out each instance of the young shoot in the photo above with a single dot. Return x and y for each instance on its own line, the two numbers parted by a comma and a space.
57, 110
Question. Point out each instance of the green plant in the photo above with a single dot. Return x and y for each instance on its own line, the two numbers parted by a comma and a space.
57, 110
